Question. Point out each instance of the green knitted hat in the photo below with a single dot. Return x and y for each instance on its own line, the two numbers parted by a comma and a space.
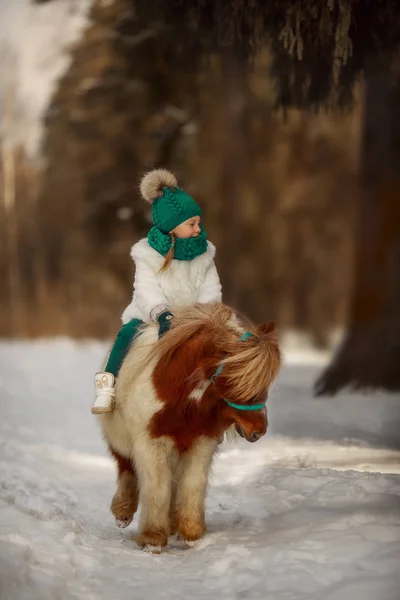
171, 206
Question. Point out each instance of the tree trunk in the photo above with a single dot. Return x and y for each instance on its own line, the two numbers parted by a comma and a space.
11, 237
370, 354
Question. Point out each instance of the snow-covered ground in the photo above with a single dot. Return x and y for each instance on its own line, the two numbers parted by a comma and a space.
312, 511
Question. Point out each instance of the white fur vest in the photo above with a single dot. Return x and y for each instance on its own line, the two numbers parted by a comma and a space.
184, 282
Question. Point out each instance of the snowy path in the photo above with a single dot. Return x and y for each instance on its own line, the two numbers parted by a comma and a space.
287, 519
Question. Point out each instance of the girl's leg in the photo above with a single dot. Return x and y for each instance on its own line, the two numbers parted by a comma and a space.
121, 346
105, 381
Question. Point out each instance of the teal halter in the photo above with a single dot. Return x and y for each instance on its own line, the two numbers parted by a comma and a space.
258, 406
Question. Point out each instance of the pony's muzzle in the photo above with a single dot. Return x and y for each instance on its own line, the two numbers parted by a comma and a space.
250, 437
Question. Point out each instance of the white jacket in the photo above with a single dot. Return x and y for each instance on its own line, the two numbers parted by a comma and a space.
184, 282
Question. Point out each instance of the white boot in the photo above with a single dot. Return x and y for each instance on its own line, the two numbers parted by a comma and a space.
105, 393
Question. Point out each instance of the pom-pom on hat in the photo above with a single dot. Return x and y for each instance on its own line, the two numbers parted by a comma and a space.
171, 206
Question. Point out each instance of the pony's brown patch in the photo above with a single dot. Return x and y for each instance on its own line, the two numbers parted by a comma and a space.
201, 338
186, 427
182, 418
187, 356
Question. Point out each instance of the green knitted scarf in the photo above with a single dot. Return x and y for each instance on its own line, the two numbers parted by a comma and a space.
184, 249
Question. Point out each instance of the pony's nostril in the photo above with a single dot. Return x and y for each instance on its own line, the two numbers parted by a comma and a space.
255, 436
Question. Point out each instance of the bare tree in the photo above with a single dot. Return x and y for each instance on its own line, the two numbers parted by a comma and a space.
370, 353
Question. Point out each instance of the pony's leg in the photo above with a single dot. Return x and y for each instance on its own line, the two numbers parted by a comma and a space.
125, 501
174, 464
155, 482
172, 510
192, 487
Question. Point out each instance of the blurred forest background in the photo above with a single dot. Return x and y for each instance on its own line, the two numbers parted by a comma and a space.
274, 116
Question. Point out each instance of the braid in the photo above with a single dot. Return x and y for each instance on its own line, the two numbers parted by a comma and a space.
170, 256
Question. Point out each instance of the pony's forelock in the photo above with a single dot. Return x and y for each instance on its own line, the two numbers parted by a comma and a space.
252, 366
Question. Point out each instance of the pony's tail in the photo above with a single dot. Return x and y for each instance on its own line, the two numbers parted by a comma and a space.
170, 256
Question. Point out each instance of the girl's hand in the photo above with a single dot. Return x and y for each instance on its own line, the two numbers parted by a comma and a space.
164, 321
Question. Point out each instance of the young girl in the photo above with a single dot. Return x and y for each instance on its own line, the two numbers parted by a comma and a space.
174, 267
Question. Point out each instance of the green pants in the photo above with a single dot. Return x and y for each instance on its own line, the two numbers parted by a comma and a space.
121, 346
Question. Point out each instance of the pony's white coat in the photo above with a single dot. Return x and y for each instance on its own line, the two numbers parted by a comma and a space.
172, 485
166, 482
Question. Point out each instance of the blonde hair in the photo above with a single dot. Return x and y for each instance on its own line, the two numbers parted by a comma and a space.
170, 256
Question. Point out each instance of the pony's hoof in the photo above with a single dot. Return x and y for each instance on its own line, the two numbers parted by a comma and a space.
122, 523
152, 541
152, 549
191, 531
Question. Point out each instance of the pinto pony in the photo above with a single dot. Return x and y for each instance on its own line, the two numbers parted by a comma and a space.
175, 398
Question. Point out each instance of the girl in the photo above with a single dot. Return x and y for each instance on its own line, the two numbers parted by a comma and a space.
174, 267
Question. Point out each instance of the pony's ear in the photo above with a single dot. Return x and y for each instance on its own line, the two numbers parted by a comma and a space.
265, 328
